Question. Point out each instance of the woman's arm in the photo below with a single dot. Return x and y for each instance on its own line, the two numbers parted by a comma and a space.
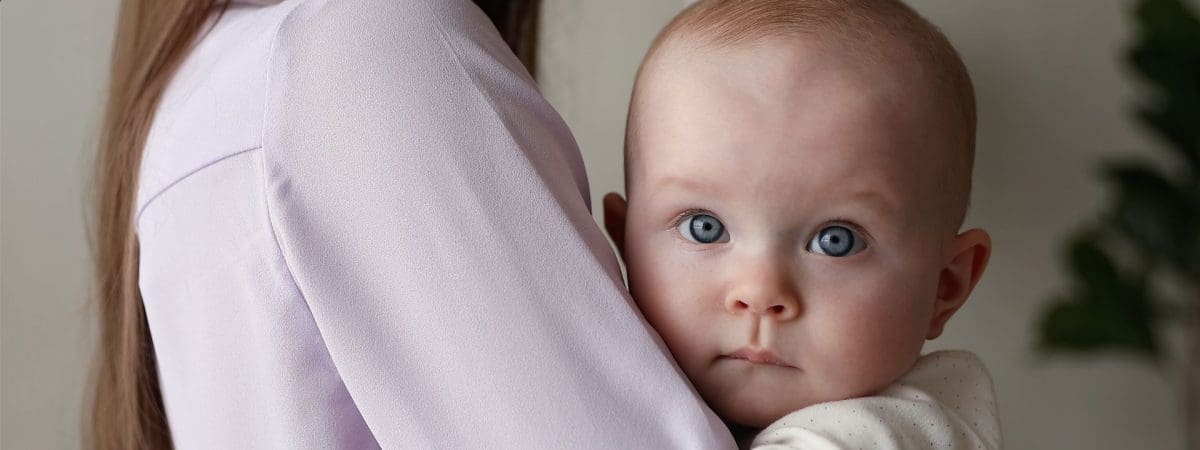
431, 207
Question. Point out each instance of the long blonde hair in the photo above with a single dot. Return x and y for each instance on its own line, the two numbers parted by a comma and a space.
152, 39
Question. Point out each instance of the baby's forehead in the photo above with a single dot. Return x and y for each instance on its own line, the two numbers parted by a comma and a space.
776, 65
783, 120
783, 89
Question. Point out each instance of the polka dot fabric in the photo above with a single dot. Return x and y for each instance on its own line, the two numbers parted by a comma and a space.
946, 401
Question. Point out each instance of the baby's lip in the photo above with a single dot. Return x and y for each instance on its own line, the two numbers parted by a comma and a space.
758, 355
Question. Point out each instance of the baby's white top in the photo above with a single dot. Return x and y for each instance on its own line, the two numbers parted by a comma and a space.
945, 401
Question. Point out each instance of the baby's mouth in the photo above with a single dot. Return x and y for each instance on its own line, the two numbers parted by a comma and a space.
758, 355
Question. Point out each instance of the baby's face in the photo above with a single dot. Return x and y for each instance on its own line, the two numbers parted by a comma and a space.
783, 235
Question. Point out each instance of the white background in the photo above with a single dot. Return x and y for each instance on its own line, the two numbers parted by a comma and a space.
1053, 100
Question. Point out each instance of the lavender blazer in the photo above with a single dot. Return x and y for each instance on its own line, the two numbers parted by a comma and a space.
362, 226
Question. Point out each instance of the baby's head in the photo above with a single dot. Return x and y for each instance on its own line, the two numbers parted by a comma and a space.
797, 173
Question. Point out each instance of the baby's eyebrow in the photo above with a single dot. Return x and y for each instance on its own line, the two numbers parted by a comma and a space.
875, 200
686, 183
879, 202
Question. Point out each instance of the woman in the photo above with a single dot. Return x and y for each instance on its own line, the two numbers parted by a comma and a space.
352, 224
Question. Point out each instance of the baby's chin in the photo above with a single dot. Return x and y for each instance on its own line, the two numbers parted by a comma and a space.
755, 408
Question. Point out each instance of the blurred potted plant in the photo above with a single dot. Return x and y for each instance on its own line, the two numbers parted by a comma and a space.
1136, 268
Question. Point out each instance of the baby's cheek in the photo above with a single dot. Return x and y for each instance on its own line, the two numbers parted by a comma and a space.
863, 350
671, 309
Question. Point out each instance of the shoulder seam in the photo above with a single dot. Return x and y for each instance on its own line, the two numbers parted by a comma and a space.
156, 195
271, 225
269, 67
270, 57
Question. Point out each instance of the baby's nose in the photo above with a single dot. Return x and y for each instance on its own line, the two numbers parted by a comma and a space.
778, 305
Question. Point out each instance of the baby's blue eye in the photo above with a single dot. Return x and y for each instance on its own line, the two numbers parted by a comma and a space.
836, 240
703, 229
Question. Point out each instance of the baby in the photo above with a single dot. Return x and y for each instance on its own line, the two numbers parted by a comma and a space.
797, 172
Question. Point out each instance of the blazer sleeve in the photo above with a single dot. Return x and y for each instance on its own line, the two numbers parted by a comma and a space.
432, 210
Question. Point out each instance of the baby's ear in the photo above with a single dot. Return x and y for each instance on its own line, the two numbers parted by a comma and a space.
969, 254
614, 220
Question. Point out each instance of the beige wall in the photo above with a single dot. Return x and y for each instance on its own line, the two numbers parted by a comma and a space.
53, 63
1052, 100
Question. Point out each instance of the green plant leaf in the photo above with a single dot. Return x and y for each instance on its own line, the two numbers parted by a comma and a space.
1167, 54
1168, 63
1105, 310
1167, 50
1179, 125
1081, 325
1090, 264
1157, 216
1171, 18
